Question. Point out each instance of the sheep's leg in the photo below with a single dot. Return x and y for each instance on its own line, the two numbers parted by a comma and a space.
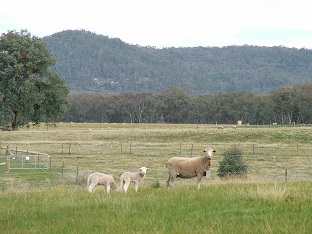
170, 179
114, 186
126, 185
136, 185
199, 177
91, 187
107, 188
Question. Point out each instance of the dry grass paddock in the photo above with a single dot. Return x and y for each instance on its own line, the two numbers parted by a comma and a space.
77, 149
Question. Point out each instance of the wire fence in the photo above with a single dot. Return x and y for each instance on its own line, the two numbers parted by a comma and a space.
73, 161
25, 160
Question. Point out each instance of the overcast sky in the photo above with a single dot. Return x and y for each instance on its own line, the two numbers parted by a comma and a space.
166, 23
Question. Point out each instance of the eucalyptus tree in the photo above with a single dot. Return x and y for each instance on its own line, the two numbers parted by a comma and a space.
283, 99
176, 101
29, 91
302, 103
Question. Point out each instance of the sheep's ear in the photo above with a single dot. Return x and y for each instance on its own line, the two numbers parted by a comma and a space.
214, 151
147, 169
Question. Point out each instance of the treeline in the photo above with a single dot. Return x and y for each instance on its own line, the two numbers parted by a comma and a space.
284, 105
95, 63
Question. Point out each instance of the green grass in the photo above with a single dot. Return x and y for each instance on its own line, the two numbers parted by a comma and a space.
223, 208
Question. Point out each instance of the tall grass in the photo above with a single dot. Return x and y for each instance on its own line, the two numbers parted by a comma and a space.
235, 207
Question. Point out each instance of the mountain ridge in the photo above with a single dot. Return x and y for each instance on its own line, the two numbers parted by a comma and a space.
89, 62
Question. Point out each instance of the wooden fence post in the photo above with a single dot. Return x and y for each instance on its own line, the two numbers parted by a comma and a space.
77, 176
63, 169
8, 158
50, 163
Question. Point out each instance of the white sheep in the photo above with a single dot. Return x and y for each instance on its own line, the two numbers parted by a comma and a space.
136, 177
189, 167
98, 178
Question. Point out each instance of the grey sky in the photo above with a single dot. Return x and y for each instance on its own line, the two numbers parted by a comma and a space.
166, 23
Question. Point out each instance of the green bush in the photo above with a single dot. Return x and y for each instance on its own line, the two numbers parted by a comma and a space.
232, 164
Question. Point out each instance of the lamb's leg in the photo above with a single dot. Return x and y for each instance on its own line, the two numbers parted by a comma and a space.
126, 185
107, 188
91, 187
136, 185
114, 186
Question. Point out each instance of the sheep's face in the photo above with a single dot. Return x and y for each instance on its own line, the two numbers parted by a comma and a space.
143, 170
209, 152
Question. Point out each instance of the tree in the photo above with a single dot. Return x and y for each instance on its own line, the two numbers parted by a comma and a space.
283, 99
176, 101
232, 164
29, 91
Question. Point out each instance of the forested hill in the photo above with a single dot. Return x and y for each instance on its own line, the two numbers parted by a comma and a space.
95, 63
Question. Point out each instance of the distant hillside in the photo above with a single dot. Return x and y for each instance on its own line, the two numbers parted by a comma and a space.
94, 63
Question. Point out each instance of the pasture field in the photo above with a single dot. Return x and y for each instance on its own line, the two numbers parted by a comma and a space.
232, 207
274, 198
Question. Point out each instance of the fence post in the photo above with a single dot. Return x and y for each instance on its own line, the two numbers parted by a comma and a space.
130, 149
121, 147
77, 176
50, 163
8, 158
36, 161
192, 150
286, 174
62, 168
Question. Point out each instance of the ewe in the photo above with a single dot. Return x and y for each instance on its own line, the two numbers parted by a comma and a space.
189, 167
135, 177
98, 178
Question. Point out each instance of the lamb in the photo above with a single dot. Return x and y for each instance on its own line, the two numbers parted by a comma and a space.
189, 167
98, 178
136, 177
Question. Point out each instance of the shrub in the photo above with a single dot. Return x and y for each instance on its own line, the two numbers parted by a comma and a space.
232, 164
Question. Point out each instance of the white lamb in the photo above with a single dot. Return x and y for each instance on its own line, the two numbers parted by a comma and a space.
135, 177
189, 167
98, 178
